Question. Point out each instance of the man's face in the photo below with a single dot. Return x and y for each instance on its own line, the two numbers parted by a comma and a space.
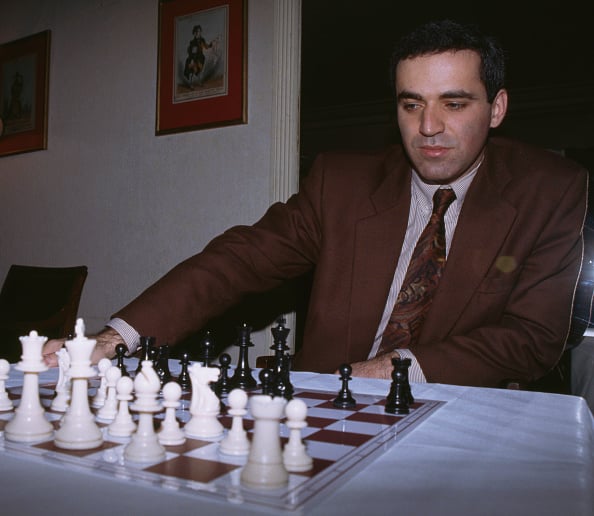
443, 113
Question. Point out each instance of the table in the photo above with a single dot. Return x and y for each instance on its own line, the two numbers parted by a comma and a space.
582, 369
484, 452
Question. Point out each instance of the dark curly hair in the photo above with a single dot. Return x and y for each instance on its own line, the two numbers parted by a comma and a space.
446, 35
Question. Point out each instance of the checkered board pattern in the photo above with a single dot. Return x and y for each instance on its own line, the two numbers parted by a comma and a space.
341, 443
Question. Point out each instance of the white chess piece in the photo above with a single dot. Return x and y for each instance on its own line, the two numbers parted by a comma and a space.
145, 446
205, 406
123, 425
265, 468
170, 433
60, 402
99, 399
295, 455
236, 441
108, 411
5, 403
78, 430
29, 423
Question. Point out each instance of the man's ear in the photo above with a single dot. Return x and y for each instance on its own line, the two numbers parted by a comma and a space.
498, 108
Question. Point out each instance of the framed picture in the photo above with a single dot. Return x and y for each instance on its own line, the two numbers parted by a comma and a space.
201, 72
24, 82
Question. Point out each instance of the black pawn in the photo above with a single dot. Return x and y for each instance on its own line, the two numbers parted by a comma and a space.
222, 387
184, 376
242, 377
146, 344
345, 400
206, 348
266, 377
397, 401
162, 367
121, 350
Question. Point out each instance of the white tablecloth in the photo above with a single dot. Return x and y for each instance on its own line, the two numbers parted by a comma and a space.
582, 369
485, 452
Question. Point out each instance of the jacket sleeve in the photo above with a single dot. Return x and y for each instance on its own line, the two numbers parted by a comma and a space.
243, 260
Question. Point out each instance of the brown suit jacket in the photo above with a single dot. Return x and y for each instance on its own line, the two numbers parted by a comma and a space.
504, 303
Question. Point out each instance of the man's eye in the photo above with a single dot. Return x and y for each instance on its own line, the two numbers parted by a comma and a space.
410, 106
455, 106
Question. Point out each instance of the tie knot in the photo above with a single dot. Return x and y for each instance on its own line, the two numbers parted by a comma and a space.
442, 199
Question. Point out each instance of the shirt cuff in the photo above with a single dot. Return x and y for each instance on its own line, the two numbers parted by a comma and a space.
130, 335
415, 373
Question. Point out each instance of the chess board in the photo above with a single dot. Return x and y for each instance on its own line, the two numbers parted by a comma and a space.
341, 443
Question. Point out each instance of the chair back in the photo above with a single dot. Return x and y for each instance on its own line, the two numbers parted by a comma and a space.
44, 299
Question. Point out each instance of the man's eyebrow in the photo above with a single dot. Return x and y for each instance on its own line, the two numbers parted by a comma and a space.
404, 94
454, 94
457, 94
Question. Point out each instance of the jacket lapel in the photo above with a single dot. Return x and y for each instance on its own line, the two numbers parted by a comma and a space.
378, 239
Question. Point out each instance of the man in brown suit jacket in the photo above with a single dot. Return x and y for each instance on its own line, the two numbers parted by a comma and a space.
502, 309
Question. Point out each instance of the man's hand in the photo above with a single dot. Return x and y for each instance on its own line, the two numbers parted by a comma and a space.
49, 351
107, 341
378, 367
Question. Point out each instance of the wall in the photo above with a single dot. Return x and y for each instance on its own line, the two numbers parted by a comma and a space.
107, 192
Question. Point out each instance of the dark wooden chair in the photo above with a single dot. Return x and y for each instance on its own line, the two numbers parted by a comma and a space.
44, 299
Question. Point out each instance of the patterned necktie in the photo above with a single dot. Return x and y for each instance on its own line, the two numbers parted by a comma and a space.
422, 277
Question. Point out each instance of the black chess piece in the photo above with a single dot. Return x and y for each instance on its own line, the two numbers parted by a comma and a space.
222, 387
266, 378
279, 336
206, 349
345, 400
162, 367
146, 344
282, 378
121, 350
405, 363
184, 376
154, 356
397, 401
242, 377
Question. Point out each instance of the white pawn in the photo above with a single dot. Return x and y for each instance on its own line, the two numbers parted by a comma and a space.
5, 403
145, 446
236, 441
109, 409
123, 425
60, 402
170, 433
295, 457
99, 399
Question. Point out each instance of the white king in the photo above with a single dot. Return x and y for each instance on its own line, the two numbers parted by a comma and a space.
80, 349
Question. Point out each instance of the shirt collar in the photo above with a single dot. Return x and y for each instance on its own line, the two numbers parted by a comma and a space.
425, 191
